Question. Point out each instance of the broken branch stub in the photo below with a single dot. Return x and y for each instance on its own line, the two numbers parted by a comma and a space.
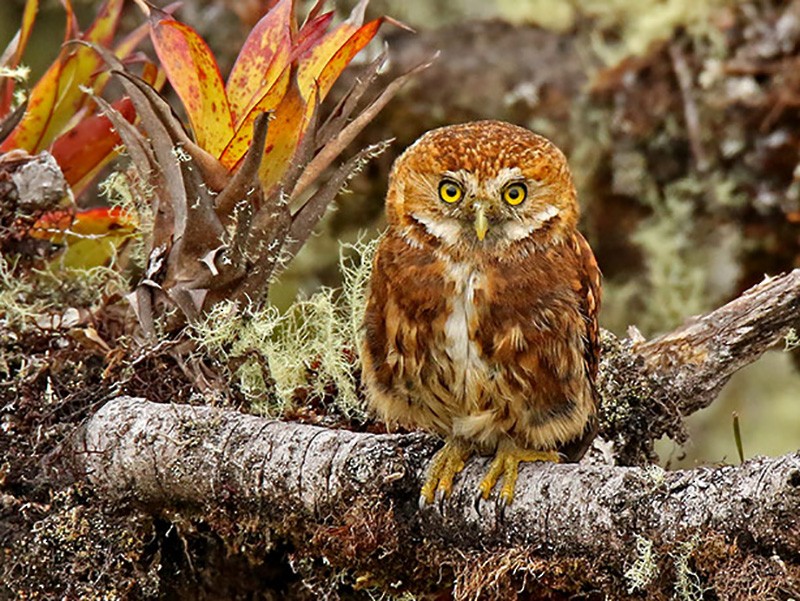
649, 387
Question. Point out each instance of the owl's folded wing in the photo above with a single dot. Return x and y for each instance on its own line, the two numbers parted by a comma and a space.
590, 294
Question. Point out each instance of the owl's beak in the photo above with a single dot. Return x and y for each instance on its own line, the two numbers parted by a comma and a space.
481, 223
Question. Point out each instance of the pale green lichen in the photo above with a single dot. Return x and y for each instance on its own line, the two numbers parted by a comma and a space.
313, 344
791, 340
356, 267
687, 583
644, 569
18, 305
130, 193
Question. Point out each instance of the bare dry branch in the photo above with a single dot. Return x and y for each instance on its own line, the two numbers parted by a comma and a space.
648, 387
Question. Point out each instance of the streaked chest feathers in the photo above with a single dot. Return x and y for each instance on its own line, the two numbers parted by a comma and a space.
464, 356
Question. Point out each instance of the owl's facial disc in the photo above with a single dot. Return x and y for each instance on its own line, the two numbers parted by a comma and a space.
491, 209
483, 186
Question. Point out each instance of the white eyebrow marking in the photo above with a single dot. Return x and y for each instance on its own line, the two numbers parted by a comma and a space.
494, 187
507, 174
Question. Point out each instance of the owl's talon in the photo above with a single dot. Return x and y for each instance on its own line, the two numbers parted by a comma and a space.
506, 463
444, 466
495, 470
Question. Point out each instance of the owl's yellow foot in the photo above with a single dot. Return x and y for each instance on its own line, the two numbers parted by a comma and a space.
447, 462
506, 464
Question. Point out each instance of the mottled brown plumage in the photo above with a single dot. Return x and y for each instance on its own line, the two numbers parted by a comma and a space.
481, 322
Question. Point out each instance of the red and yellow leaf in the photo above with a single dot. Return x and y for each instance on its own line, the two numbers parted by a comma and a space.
57, 95
237, 147
292, 116
339, 61
126, 47
72, 30
82, 65
89, 145
194, 74
310, 34
58, 225
153, 75
28, 17
262, 59
341, 44
28, 133
91, 236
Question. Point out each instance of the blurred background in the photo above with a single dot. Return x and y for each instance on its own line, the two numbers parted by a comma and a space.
680, 118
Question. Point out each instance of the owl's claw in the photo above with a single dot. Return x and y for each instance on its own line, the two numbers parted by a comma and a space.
506, 464
447, 462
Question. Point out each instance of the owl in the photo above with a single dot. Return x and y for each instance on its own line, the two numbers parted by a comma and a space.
481, 316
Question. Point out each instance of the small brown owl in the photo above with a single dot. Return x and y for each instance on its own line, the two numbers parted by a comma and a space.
481, 322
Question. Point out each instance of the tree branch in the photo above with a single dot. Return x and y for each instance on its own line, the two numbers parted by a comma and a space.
312, 484
178, 455
648, 387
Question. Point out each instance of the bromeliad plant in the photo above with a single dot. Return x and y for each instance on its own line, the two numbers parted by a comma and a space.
241, 192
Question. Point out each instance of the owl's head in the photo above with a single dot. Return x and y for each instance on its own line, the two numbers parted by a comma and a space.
485, 184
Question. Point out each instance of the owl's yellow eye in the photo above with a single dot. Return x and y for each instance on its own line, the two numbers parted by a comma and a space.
450, 191
515, 194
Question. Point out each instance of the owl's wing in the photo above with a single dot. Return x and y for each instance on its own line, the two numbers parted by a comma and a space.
590, 306
590, 295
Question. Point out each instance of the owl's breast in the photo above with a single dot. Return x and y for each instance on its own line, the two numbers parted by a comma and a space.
462, 357
478, 349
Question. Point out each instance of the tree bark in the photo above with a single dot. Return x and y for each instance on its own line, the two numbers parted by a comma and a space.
177, 455
312, 483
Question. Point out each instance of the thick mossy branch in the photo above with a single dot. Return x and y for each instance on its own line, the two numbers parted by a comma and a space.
203, 458
177, 455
